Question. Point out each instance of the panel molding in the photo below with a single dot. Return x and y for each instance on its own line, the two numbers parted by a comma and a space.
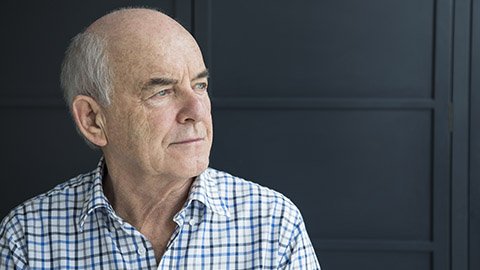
474, 146
183, 13
442, 81
460, 135
22, 103
202, 31
321, 103
372, 245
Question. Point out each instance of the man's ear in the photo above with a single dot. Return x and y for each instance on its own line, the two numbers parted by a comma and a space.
89, 119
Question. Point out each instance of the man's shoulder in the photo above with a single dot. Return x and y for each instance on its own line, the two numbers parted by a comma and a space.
241, 193
241, 186
64, 196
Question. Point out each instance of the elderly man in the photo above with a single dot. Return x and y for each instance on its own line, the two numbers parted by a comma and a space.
136, 85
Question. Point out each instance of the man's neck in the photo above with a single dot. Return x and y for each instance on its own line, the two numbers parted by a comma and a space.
143, 199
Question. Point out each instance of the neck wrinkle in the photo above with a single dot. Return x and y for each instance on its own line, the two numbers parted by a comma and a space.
137, 202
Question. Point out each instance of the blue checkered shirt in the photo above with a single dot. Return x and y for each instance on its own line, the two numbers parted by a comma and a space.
226, 223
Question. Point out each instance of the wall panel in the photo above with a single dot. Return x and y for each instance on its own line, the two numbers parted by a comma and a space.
322, 48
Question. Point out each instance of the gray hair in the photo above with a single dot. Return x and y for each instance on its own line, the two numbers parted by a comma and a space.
85, 71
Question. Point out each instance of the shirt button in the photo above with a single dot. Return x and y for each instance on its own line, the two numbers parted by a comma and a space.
141, 250
192, 222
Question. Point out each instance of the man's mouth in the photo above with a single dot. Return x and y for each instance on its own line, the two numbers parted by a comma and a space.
188, 141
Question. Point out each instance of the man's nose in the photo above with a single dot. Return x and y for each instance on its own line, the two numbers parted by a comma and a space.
193, 106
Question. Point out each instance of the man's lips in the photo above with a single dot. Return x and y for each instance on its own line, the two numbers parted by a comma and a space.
188, 141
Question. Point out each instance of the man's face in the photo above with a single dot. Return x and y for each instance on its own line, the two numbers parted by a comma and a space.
159, 122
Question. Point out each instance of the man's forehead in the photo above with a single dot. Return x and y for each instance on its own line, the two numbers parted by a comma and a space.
141, 42
161, 61
149, 68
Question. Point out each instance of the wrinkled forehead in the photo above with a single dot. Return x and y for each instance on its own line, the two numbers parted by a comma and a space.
148, 46
144, 41
135, 61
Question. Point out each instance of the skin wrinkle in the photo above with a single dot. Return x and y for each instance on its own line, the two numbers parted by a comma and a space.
149, 172
150, 212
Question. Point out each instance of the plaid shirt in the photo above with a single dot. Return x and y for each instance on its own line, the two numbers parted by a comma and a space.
226, 223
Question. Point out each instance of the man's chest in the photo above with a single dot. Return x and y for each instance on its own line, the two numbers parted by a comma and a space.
222, 245
186, 252
195, 243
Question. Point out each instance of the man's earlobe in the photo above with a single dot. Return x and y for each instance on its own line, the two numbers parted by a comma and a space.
87, 114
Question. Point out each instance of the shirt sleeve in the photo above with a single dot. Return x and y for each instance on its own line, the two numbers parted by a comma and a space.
300, 253
12, 254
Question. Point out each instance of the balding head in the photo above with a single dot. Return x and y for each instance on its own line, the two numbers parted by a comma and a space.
124, 22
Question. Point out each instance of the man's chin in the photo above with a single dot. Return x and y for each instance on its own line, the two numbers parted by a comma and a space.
201, 167
193, 169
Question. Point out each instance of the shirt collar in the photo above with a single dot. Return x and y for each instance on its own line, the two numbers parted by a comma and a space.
204, 189
95, 198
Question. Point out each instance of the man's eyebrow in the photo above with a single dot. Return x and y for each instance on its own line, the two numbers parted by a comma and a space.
203, 74
162, 81
159, 81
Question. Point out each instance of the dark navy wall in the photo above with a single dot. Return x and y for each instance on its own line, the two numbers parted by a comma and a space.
365, 114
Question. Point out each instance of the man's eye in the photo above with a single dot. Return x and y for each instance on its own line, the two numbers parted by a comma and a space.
200, 86
161, 93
